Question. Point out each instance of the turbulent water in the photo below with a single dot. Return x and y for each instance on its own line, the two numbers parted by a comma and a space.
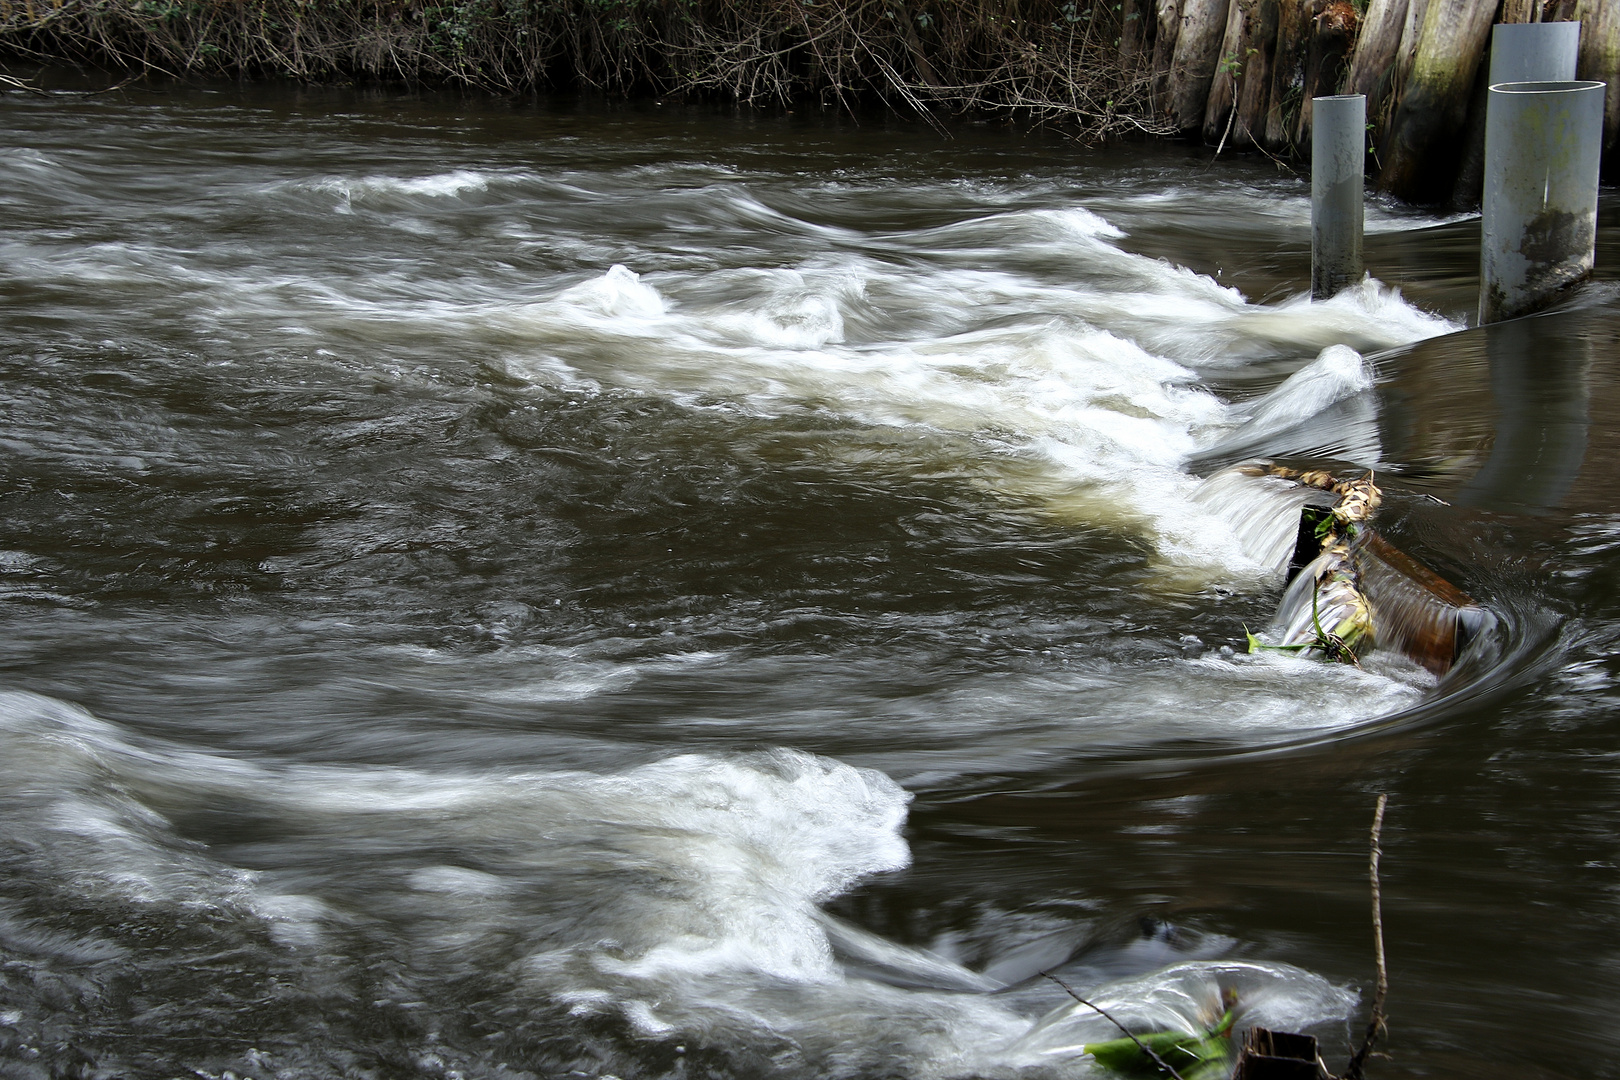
498, 590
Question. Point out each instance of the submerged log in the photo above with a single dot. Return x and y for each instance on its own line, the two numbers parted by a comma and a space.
1423, 141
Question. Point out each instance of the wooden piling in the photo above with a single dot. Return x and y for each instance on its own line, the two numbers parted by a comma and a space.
1600, 62
1254, 91
1223, 89
1138, 26
1429, 122
1373, 63
1167, 14
1327, 57
1197, 54
1287, 75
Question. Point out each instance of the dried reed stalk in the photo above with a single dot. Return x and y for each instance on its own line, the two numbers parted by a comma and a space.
1045, 61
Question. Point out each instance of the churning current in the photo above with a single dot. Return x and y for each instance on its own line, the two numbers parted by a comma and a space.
540, 591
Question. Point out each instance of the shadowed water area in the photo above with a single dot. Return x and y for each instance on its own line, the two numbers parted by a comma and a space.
542, 590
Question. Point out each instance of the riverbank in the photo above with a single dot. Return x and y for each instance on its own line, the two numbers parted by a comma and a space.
1236, 74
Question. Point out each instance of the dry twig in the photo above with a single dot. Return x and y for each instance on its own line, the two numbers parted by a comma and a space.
1144, 1047
1375, 1026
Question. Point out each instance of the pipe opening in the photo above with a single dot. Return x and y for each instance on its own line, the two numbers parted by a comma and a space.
1572, 86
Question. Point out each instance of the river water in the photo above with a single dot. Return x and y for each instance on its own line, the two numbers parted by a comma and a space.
497, 589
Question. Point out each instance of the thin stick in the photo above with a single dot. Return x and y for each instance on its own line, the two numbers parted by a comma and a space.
1375, 1026
1231, 116
1144, 1047
10, 83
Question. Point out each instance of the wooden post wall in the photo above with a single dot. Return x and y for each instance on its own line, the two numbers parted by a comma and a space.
1426, 129
1333, 28
1245, 71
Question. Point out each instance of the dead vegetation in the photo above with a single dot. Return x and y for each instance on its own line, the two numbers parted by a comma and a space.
1049, 61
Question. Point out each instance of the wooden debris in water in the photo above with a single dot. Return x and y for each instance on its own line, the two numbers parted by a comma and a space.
1364, 592
1279, 1055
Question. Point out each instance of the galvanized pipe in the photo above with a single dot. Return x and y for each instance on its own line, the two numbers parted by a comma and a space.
1338, 161
1543, 145
1534, 52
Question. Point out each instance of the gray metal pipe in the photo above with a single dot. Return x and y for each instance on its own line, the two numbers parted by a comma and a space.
1534, 52
1520, 52
1543, 145
1338, 162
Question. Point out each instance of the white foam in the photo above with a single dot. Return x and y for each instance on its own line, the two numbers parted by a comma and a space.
1336, 373
1189, 998
682, 895
1262, 511
446, 185
739, 850
618, 296
1098, 395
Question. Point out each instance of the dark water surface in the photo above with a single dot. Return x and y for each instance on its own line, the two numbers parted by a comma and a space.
497, 590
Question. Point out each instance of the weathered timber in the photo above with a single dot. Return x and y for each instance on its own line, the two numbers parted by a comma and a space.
1425, 133
1254, 92
1139, 26
1600, 62
1287, 74
1198, 46
1327, 58
1466, 192
1168, 15
1374, 61
1279, 1055
1417, 11
1223, 89
1401, 69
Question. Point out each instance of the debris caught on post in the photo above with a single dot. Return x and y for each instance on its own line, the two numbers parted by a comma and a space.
1351, 591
